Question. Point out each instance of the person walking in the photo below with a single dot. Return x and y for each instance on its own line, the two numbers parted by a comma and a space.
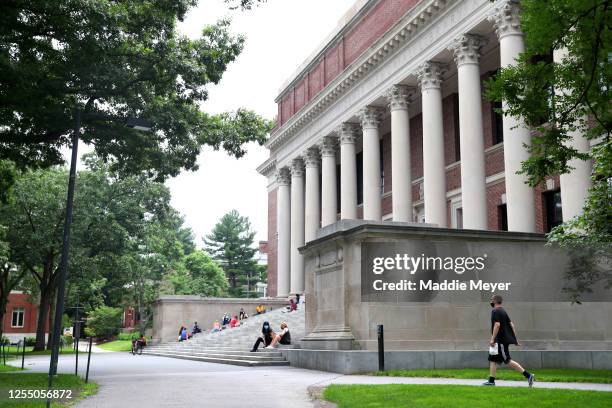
503, 333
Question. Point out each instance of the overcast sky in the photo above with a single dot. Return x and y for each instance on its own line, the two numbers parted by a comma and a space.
280, 35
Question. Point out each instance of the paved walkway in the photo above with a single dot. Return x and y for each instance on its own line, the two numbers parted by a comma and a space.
150, 381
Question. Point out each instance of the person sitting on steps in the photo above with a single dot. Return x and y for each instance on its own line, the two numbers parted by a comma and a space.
284, 337
265, 338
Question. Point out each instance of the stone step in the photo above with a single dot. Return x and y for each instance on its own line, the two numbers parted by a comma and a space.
261, 352
245, 363
230, 356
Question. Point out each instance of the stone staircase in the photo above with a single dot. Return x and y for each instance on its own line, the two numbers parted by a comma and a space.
232, 346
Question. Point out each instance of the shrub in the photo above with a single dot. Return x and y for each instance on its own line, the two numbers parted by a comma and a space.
128, 336
4, 341
30, 341
66, 341
104, 322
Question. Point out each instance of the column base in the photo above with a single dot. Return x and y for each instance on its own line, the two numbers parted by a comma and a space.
329, 338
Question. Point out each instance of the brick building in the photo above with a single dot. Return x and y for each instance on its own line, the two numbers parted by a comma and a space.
387, 121
21, 317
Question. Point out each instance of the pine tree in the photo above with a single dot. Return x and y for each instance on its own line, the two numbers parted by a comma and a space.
231, 245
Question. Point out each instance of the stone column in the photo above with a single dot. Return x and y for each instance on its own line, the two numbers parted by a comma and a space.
283, 222
297, 225
520, 202
348, 171
401, 180
466, 49
370, 119
329, 203
434, 169
313, 213
575, 184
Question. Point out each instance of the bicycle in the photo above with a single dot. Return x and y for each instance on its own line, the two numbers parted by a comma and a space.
137, 347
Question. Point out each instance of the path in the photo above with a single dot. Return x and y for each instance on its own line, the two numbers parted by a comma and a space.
150, 381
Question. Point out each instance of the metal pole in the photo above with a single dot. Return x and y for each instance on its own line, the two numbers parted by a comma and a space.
381, 348
23, 354
76, 363
59, 306
88, 360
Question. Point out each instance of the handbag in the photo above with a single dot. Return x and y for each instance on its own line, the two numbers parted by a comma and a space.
493, 350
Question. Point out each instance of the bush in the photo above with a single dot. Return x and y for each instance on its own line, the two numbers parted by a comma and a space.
4, 341
30, 341
66, 341
128, 336
104, 322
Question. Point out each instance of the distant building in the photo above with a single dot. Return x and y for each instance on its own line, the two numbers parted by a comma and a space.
21, 317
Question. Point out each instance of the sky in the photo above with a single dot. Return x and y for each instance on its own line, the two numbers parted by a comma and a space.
280, 35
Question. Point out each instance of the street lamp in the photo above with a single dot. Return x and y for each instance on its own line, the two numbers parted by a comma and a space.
134, 123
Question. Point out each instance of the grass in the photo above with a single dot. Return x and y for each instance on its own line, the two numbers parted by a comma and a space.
117, 345
544, 374
38, 381
4, 368
460, 396
13, 351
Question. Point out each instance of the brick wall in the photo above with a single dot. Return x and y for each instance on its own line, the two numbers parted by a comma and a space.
494, 199
369, 29
30, 319
272, 244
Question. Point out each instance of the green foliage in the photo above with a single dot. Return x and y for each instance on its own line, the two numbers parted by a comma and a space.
231, 245
559, 98
30, 341
128, 336
120, 59
7, 179
104, 322
243, 4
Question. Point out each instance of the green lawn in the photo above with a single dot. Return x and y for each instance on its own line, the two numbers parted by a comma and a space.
4, 368
38, 381
461, 396
545, 374
117, 345
12, 351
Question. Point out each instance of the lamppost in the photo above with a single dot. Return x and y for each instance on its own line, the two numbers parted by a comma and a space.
135, 123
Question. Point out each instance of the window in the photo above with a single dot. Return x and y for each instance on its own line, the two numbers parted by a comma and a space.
359, 178
459, 218
18, 315
498, 123
554, 213
502, 217
456, 126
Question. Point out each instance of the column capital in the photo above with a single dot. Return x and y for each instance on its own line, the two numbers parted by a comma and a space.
506, 18
466, 48
400, 96
347, 132
430, 74
312, 157
297, 167
370, 116
327, 146
283, 176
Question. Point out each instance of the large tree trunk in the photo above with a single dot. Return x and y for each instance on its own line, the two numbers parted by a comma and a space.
43, 317
52, 304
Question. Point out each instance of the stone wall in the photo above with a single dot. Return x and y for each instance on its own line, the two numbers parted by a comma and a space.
170, 312
338, 319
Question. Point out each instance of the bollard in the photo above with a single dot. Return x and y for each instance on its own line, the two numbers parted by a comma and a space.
381, 348
88, 360
23, 354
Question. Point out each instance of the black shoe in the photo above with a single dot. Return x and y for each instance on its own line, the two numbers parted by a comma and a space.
489, 383
530, 380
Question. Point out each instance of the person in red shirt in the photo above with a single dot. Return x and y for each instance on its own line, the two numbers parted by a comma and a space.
234, 322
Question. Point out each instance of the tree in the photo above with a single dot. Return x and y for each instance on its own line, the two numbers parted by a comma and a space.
558, 98
10, 276
207, 277
113, 216
231, 245
120, 59
104, 322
